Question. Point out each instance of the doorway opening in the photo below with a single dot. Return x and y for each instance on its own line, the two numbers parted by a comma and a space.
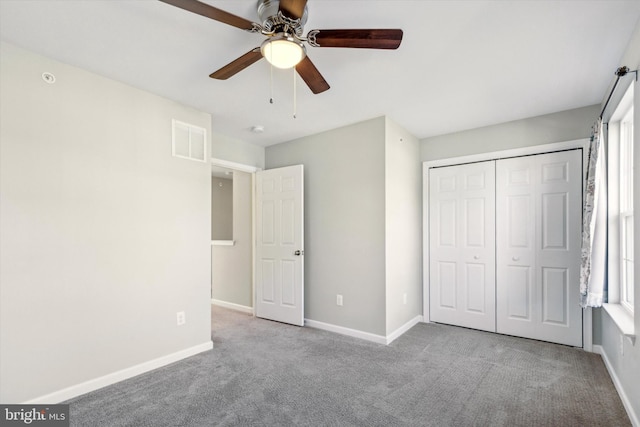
232, 235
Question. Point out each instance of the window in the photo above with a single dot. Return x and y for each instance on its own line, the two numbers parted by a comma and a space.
626, 210
620, 141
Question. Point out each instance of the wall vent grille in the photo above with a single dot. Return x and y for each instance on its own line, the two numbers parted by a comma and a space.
188, 141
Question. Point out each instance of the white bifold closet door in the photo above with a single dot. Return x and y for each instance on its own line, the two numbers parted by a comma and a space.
539, 209
462, 245
504, 246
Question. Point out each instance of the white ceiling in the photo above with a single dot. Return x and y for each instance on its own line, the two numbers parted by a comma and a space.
461, 64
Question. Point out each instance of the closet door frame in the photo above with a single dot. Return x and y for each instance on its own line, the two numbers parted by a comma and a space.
587, 329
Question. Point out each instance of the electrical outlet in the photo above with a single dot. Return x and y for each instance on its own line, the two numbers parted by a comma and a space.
181, 318
404, 299
339, 299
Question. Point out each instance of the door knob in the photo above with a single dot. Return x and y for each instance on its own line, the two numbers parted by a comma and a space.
516, 258
476, 257
298, 253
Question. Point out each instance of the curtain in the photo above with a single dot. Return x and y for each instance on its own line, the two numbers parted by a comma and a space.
594, 227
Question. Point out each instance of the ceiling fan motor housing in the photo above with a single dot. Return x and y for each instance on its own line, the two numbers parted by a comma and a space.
273, 21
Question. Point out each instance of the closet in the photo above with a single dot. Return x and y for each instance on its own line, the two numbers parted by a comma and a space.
504, 246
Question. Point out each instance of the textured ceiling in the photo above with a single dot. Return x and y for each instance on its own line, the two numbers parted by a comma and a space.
461, 65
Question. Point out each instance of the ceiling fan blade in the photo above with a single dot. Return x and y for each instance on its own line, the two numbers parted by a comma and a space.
366, 39
292, 8
311, 76
238, 65
212, 12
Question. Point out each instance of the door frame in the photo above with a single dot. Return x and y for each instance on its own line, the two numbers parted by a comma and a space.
587, 328
241, 167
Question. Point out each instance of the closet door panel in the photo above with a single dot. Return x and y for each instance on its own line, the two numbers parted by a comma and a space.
539, 201
476, 288
446, 281
462, 247
561, 198
555, 291
446, 216
518, 298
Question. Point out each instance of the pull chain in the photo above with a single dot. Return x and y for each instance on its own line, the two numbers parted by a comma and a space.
271, 78
295, 97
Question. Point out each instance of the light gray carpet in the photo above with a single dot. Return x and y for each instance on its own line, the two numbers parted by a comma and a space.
263, 373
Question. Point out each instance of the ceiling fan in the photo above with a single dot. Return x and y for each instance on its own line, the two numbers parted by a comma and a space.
283, 23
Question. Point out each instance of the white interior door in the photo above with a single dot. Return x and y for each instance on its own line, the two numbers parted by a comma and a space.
280, 245
539, 201
462, 245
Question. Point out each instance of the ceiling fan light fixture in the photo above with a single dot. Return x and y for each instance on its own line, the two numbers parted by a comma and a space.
283, 51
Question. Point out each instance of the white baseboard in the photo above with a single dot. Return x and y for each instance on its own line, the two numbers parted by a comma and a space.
232, 306
635, 421
404, 328
378, 339
114, 377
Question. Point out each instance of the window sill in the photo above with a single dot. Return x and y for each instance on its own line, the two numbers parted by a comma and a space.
622, 318
223, 242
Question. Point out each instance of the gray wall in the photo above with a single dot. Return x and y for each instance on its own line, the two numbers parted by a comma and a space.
234, 150
403, 226
557, 127
232, 265
221, 209
105, 235
344, 222
626, 367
